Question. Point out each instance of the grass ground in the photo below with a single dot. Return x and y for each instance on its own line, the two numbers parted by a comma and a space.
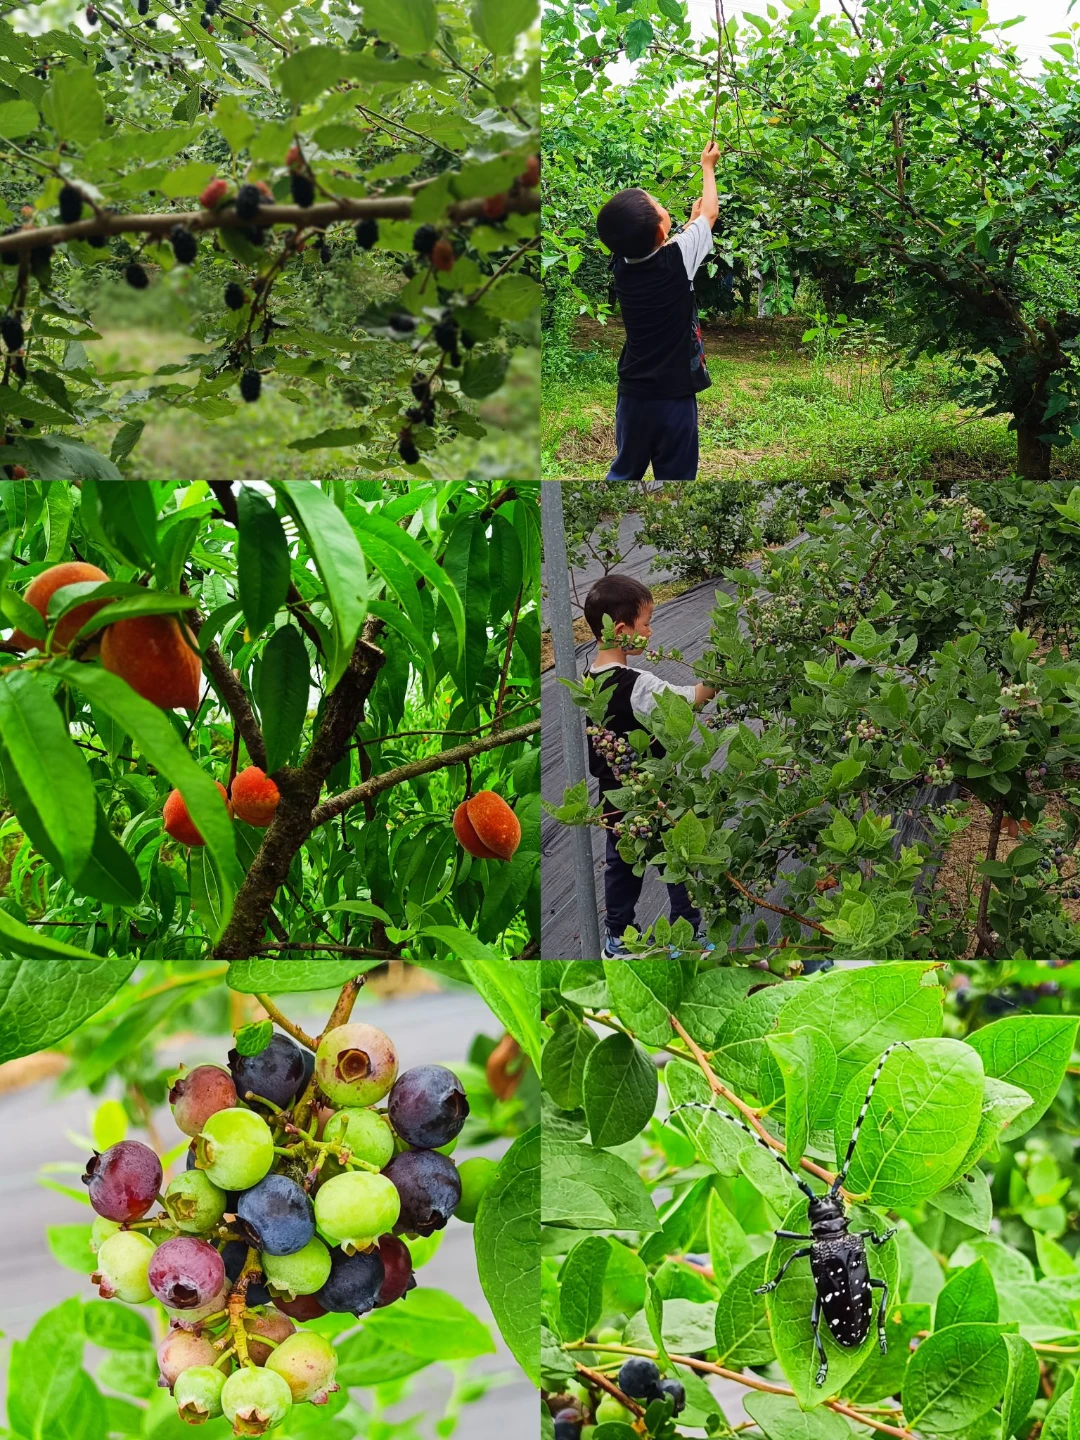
252, 442
774, 413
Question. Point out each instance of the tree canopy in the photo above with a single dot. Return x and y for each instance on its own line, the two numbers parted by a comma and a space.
339, 202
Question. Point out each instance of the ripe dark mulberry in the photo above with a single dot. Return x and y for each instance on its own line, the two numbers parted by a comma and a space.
406, 449
366, 232
445, 335
144, 7
250, 385
234, 295
136, 277
420, 385
404, 324
325, 253
248, 200
71, 204
424, 239
184, 244
11, 331
303, 189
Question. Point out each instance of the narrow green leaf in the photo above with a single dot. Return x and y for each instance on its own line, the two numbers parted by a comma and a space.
262, 559
420, 561
50, 768
282, 689
339, 560
152, 732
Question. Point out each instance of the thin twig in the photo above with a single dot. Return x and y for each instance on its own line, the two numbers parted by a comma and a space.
740, 1378
717, 1086
284, 1023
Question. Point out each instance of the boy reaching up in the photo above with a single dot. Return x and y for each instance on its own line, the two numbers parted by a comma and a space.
662, 365
631, 699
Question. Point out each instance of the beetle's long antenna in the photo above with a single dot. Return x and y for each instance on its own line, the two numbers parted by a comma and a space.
715, 1110
835, 1187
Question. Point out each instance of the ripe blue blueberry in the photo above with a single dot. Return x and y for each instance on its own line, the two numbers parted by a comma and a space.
275, 1074
277, 1215
354, 1283
427, 1105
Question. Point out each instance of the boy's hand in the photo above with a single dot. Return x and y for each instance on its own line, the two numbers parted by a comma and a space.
710, 155
696, 211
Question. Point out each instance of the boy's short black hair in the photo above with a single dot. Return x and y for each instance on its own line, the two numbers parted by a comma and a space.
627, 224
620, 596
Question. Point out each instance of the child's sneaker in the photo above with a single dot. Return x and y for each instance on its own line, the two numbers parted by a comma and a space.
614, 949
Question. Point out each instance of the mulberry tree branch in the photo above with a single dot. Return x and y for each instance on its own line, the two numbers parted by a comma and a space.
313, 217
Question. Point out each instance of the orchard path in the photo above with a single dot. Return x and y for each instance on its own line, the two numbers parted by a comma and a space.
36, 1124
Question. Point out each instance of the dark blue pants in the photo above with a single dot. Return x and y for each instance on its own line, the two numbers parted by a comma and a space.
660, 433
622, 889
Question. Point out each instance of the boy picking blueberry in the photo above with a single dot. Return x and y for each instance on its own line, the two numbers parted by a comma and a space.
662, 365
632, 698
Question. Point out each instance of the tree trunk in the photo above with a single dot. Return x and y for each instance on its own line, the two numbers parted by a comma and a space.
1032, 454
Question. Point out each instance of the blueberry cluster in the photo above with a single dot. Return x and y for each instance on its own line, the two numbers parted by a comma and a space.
865, 731
616, 750
296, 1193
941, 773
974, 520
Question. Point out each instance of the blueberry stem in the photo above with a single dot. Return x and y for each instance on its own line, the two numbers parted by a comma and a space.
224, 1356
284, 1023
262, 1100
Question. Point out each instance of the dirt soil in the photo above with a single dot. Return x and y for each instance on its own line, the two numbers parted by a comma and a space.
958, 876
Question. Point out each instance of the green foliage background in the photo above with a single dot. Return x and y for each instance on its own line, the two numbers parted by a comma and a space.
657, 1232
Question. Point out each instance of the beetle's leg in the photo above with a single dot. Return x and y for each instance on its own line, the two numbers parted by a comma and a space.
791, 1235
883, 1339
795, 1255
815, 1321
875, 1239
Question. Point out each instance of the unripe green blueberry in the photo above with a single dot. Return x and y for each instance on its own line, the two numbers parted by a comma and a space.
475, 1176
195, 1202
301, 1273
123, 1264
611, 1411
353, 1210
355, 1065
365, 1133
255, 1400
198, 1394
235, 1148
101, 1230
307, 1363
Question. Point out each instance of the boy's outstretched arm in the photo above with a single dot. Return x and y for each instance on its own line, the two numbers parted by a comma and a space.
705, 693
708, 205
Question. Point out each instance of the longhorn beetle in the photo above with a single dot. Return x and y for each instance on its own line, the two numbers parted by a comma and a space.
837, 1257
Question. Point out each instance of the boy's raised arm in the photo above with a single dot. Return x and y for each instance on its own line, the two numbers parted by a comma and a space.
708, 205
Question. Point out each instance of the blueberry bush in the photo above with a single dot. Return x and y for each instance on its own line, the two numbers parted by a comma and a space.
911, 642
265, 1260
344, 202
671, 1088
902, 157
274, 719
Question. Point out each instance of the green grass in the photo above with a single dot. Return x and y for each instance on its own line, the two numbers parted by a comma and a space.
252, 442
772, 414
